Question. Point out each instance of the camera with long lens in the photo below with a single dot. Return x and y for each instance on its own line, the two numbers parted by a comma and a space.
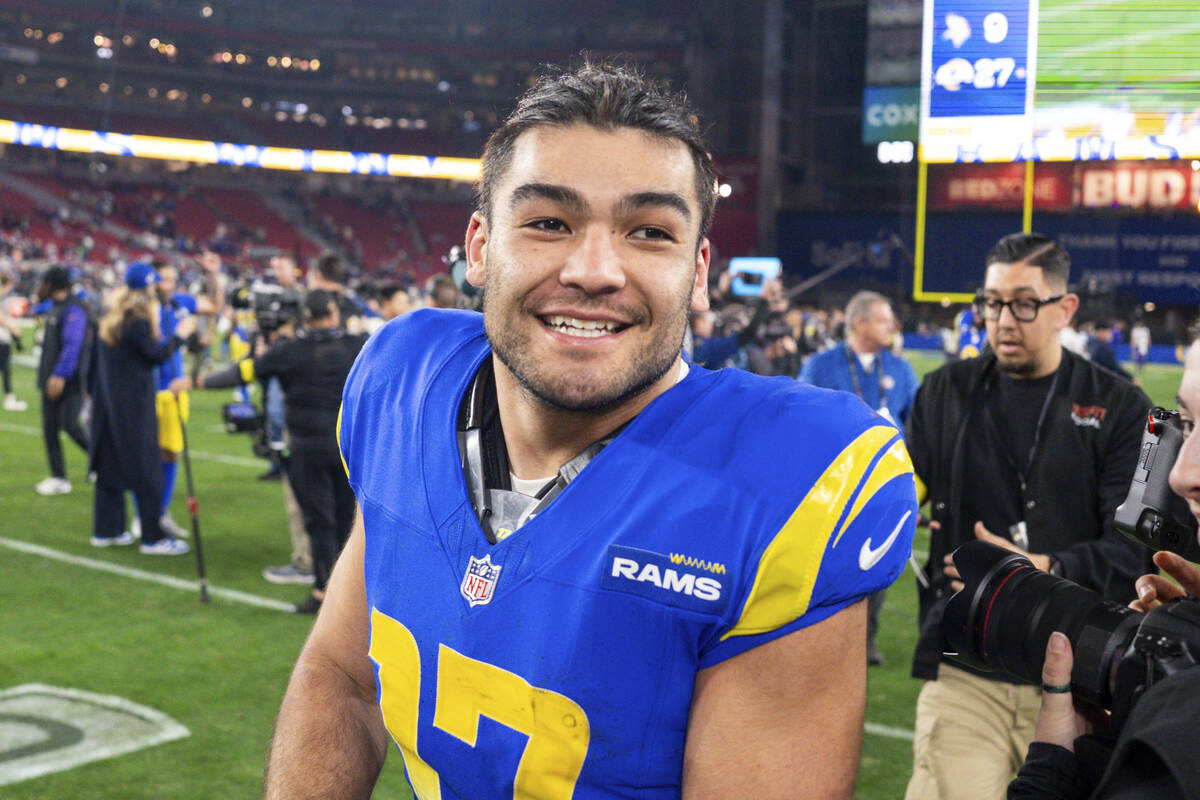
1152, 514
1008, 608
272, 306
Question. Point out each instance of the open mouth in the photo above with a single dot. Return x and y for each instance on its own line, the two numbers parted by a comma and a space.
586, 328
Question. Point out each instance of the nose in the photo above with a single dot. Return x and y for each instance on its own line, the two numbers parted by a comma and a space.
1185, 475
594, 265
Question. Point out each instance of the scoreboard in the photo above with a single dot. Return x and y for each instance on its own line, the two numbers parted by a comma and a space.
1060, 80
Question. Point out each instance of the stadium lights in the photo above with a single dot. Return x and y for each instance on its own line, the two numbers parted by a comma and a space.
206, 11
285, 62
104, 52
724, 190
206, 98
54, 38
60, 82
241, 58
127, 40
104, 87
197, 151
314, 64
247, 102
154, 43
21, 78
272, 61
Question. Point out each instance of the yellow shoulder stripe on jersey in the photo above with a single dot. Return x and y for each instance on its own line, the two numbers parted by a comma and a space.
892, 464
337, 432
246, 370
922, 490
787, 571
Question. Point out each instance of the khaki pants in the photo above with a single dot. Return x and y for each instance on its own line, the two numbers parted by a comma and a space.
301, 548
971, 736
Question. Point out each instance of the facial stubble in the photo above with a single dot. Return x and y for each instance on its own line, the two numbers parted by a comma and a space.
593, 393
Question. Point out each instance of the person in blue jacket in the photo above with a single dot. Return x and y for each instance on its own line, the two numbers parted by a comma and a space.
865, 366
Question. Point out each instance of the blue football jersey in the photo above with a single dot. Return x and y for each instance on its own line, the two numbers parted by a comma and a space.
971, 338
560, 662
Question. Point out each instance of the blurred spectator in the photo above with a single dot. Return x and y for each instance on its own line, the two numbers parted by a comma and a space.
10, 336
1101, 351
1139, 345
125, 452
882, 380
393, 301
329, 274
443, 293
62, 373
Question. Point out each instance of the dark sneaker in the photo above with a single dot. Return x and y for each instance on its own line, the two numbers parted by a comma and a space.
310, 605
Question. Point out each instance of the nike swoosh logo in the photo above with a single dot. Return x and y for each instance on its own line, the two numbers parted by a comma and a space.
868, 557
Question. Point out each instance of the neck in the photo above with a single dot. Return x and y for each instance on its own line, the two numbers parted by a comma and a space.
1047, 367
858, 345
540, 438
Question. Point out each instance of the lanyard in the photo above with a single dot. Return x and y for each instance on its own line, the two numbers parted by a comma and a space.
851, 359
1037, 433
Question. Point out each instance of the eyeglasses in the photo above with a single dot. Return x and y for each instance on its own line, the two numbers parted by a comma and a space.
1024, 309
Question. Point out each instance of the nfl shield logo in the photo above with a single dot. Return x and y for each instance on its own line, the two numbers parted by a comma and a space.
480, 581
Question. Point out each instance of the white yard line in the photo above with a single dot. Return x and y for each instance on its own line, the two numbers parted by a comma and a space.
233, 595
199, 455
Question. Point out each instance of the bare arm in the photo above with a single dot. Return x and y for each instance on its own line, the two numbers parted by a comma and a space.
329, 737
783, 720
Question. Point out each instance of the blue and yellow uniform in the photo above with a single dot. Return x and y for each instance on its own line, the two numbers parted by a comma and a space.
560, 662
171, 410
972, 339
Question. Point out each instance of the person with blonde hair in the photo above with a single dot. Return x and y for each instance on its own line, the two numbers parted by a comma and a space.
125, 453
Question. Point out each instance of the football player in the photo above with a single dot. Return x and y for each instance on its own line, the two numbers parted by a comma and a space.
582, 567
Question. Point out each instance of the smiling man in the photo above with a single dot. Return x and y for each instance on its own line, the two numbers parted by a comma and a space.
583, 568
1029, 447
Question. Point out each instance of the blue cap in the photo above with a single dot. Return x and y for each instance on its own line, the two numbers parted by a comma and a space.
140, 274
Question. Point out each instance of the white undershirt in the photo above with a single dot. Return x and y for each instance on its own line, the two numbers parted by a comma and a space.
530, 487
867, 360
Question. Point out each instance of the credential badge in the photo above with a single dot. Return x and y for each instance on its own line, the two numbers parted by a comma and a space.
479, 584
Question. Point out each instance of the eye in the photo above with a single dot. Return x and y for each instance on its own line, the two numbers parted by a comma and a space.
1025, 306
653, 233
1186, 426
549, 224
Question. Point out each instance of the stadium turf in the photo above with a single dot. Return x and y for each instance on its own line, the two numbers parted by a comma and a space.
220, 670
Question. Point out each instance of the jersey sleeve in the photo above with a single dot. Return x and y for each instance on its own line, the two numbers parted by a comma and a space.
849, 537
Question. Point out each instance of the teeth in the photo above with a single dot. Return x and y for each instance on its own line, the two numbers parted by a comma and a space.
581, 327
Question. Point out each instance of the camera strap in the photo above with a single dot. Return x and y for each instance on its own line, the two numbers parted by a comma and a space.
484, 459
852, 362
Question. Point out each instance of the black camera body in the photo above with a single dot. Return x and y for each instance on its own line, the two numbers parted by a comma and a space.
272, 305
1004, 616
1152, 514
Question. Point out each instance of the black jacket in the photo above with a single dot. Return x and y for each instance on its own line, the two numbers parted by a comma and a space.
312, 368
52, 344
1082, 472
124, 436
1154, 757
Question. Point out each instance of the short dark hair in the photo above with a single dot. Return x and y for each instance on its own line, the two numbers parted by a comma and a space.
331, 268
388, 290
1035, 250
604, 95
319, 304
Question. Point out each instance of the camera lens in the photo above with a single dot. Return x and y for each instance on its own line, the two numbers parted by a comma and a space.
1005, 614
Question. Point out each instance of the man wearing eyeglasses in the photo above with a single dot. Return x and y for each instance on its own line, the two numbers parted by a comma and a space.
1030, 447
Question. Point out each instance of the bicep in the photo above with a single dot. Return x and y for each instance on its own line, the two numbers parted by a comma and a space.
801, 696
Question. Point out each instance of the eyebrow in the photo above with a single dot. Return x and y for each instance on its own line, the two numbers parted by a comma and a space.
1014, 291
563, 195
641, 200
566, 196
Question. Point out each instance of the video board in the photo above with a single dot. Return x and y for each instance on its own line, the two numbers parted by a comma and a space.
1060, 80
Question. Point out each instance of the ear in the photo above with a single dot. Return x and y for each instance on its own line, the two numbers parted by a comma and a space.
1070, 304
699, 299
477, 237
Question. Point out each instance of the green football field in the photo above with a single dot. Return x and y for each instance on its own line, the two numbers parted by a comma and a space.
1142, 52
116, 623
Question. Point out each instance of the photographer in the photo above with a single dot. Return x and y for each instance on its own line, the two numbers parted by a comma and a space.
1030, 448
1152, 757
312, 369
